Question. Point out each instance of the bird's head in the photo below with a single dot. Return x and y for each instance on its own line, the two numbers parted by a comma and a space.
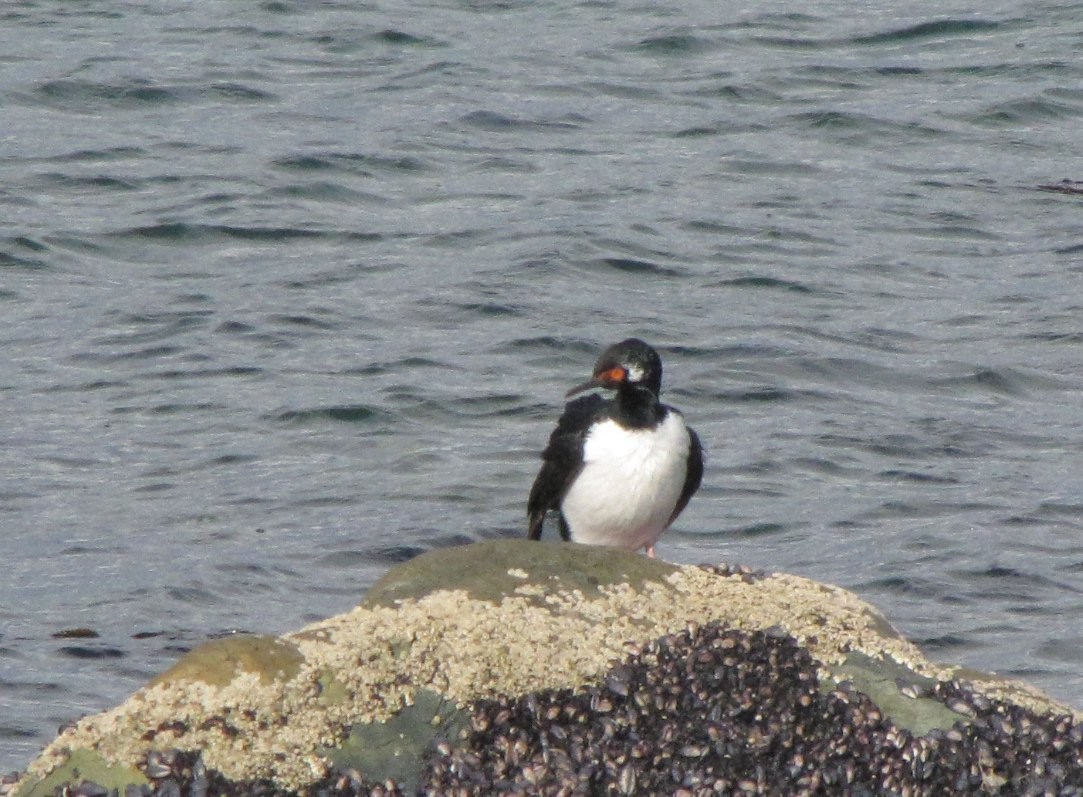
628, 363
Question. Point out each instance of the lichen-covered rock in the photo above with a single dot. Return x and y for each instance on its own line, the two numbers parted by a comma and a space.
508, 662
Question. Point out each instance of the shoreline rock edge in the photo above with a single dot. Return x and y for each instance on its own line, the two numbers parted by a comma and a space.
491, 621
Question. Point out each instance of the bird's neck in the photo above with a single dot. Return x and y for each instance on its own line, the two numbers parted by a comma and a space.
638, 406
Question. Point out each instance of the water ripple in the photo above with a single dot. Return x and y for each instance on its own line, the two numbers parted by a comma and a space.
86, 96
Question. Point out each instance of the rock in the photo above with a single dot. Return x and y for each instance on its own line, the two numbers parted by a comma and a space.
221, 661
514, 665
86, 766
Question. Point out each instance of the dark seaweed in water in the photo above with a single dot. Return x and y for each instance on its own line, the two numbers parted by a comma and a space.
707, 711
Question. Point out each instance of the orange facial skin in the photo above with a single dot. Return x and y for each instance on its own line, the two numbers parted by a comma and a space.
614, 376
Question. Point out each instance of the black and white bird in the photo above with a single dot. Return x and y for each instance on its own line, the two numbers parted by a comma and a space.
618, 471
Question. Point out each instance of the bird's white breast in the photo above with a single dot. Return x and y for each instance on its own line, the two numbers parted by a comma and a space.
629, 485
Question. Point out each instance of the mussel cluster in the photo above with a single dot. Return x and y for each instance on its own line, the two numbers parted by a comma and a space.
718, 711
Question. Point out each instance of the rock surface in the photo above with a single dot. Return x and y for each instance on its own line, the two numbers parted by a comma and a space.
545, 668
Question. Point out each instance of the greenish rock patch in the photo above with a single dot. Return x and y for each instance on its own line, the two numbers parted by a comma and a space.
395, 749
884, 681
86, 765
218, 662
493, 570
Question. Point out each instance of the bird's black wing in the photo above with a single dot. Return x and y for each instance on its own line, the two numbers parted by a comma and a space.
694, 475
562, 459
